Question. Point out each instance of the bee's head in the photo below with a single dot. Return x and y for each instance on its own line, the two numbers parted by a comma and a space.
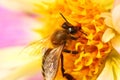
69, 27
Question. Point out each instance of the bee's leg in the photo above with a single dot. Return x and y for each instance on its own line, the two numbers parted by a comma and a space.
68, 76
69, 51
73, 38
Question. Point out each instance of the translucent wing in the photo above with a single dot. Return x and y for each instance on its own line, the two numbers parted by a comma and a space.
35, 48
23, 63
50, 62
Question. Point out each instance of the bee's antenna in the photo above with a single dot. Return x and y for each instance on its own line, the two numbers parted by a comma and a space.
64, 17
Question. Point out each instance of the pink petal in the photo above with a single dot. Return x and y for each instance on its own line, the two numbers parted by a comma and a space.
37, 76
116, 2
15, 28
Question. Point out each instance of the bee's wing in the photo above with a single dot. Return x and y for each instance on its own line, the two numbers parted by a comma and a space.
51, 62
14, 66
35, 48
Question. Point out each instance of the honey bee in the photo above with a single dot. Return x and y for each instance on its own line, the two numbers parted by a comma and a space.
52, 56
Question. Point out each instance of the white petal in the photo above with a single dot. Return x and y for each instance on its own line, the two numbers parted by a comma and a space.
107, 73
105, 14
13, 66
108, 19
116, 43
108, 35
116, 18
24, 70
111, 70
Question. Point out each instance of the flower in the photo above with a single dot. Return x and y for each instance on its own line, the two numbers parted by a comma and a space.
107, 5
92, 51
94, 55
112, 32
112, 67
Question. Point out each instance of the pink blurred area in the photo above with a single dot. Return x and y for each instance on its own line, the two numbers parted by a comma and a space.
116, 2
37, 76
15, 28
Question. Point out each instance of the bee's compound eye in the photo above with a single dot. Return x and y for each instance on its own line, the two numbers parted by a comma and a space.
72, 30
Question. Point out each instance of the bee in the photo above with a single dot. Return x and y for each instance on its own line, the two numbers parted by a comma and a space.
52, 56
